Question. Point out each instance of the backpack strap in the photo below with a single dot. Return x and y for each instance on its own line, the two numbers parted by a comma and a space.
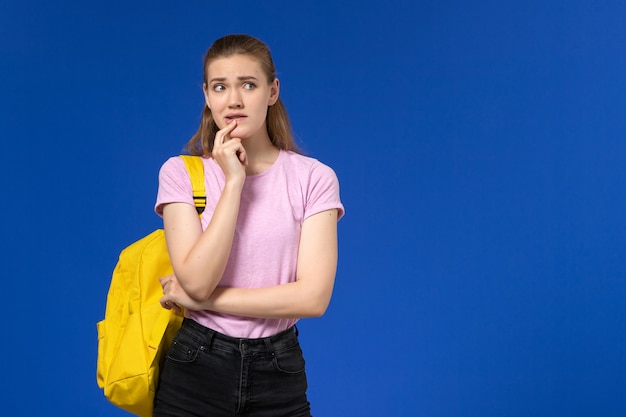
195, 167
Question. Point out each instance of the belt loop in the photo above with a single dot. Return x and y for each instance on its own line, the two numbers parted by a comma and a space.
269, 346
210, 336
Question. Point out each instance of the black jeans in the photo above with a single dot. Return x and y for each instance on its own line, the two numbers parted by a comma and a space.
208, 374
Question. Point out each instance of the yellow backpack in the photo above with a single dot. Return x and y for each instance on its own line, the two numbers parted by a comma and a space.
136, 331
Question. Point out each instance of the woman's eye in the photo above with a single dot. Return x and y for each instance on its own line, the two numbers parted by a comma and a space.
249, 86
218, 87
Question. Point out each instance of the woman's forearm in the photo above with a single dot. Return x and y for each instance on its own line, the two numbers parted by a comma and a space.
199, 260
292, 300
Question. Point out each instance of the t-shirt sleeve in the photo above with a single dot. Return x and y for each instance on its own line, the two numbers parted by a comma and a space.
323, 193
174, 185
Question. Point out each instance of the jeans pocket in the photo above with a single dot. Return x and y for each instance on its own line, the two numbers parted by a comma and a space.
183, 351
289, 361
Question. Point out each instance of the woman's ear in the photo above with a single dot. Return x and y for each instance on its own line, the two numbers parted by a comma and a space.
274, 92
206, 94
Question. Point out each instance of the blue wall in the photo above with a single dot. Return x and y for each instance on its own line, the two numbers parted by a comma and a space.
481, 151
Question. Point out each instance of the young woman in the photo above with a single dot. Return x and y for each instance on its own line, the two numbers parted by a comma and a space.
263, 255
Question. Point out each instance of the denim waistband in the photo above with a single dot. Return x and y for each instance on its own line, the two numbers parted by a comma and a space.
215, 340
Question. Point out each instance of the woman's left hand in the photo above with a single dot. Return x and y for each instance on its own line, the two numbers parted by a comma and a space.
174, 296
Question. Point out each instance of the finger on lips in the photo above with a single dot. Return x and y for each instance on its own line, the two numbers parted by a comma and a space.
226, 131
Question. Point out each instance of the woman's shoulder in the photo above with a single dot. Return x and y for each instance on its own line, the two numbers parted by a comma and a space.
175, 165
304, 162
310, 172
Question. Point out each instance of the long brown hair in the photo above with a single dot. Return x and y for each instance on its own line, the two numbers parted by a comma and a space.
277, 120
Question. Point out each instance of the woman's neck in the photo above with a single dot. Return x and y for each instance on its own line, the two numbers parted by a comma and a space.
261, 155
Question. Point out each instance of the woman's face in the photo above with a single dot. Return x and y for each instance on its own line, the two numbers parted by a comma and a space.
237, 89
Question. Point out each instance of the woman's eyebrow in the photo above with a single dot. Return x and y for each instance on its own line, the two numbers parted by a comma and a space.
246, 78
240, 78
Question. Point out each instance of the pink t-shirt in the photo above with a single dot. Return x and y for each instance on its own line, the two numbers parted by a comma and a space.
273, 206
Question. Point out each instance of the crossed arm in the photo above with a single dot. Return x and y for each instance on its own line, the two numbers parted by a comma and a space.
195, 284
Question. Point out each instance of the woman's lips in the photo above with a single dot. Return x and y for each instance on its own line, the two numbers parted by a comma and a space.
230, 119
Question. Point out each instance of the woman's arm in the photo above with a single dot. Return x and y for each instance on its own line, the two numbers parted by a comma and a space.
199, 258
308, 296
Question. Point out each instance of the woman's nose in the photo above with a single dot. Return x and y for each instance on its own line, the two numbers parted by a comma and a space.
234, 99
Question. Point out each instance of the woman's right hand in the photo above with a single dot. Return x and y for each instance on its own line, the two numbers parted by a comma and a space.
230, 154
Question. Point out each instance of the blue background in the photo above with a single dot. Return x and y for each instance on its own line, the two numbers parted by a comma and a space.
480, 148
